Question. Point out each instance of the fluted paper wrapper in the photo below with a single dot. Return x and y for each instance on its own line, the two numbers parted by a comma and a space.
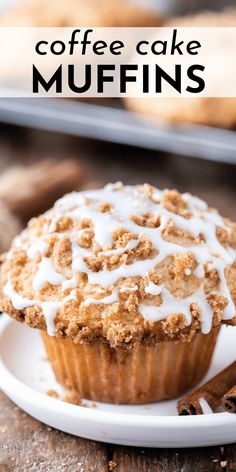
143, 374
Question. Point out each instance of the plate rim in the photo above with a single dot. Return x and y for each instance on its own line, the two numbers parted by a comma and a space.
10, 384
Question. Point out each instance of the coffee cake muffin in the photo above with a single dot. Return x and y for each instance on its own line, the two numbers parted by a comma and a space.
129, 286
207, 111
79, 13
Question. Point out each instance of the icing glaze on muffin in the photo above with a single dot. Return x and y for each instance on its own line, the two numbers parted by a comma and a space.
123, 263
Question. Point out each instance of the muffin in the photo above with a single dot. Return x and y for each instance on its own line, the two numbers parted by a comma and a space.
129, 286
79, 13
10, 224
207, 111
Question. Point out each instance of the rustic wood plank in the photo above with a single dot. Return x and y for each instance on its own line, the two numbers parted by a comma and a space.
228, 454
208, 459
26, 445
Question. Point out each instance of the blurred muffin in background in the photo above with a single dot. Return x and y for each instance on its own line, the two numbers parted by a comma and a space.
219, 112
79, 13
28, 190
224, 18
10, 226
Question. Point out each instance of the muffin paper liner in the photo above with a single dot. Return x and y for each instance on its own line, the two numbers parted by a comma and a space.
141, 375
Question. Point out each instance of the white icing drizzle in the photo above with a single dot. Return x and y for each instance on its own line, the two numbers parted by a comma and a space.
46, 273
206, 409
153, 289
49, 308
199, 271
132, 244
124, 202
69, 283
171, 304
124, 289
40, 246
17, 300
95, 301
194, 203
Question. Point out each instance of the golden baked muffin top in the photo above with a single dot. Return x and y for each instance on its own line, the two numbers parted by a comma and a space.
79, 13
126, 264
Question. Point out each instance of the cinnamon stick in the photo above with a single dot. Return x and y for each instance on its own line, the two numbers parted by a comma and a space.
208, 397
229, 400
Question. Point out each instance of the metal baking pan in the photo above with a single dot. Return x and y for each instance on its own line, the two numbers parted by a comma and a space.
116, 125
108, 123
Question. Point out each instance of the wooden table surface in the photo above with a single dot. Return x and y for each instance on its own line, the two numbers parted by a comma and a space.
26, 444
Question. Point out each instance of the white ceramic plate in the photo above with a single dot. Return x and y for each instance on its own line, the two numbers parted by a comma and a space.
26, 376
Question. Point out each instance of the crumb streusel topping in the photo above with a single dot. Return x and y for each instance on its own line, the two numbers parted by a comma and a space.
123, 263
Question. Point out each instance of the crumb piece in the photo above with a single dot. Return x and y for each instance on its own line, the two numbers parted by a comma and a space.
64, 223
112, 465
173, 202
86, 238
85, 223
223, 236
147, 220
72, 397
105, 207
181, 264
63, 254
223, 464
52, 393
184, 238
